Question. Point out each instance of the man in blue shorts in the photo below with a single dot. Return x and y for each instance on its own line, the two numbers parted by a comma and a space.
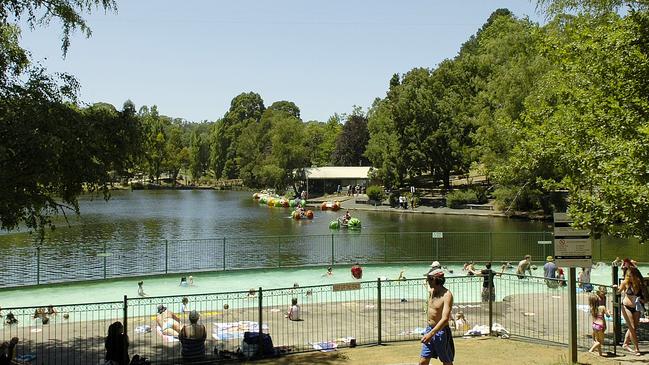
438, 340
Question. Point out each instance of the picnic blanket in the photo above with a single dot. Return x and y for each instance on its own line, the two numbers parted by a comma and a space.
325, 346
483, 330
414, 331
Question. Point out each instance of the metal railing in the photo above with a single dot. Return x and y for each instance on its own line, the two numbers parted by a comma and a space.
369, 312
62, 262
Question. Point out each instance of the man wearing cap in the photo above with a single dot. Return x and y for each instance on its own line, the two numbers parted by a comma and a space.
550, 273
438, 340
192, 337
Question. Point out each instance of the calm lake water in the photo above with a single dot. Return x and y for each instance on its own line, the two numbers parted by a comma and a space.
187, 214
137, 233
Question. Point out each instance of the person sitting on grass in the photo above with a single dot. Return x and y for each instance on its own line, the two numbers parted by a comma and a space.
7, 350
294, 311
116, 345
192, 337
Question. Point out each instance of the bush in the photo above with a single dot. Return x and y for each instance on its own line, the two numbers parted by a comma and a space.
457, 198
394, 198
375, 193
521, 199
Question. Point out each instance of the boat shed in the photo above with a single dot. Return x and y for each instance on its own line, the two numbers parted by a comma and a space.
326, 179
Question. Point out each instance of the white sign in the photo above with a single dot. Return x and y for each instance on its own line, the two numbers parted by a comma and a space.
572, 247
438, 234
573, 252
545, 242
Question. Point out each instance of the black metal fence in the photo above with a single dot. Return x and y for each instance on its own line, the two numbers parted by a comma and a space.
333, 315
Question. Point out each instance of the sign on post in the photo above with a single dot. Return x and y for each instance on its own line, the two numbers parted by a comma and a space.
544, 242
438, 234
572, 247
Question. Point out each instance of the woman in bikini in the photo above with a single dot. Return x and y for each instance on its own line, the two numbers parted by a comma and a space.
632, 287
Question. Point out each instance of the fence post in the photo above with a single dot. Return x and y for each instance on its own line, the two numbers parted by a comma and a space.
332, 250
385, 247
223, 253
617, 322
378, 309
261, 329
279, 252
105, 259
491, 255
491, 302
38, 265
125, 306
166, 256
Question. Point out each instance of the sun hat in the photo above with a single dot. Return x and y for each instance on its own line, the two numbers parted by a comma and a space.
550, 258
435, 265
193, 316
161, 308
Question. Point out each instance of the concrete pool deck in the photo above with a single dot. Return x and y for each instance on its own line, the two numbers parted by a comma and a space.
532, 317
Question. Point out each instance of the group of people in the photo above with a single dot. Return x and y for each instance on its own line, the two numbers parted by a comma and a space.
191, 336
355, 190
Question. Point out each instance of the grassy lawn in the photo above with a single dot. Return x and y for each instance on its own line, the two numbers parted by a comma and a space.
483, 351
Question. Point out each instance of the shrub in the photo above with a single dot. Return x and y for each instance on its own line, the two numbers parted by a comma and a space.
375, 193
457, 198
520, 199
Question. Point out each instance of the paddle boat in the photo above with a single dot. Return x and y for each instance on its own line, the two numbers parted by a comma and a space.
330, 206
300, 214
353, 223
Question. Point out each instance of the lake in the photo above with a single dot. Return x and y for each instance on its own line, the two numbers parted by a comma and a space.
158, 232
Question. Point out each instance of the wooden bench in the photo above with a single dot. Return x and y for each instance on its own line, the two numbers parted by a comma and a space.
480, 206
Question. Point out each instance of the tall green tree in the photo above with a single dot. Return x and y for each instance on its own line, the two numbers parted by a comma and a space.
587, 128
352, 141
51, 150
245, 108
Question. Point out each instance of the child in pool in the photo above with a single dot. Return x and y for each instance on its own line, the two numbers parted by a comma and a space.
597, 312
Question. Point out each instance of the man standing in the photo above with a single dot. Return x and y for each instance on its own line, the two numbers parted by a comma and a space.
488, 282
524, 265
550, 273
438, 340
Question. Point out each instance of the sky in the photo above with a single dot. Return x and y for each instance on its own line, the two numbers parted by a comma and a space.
190, 58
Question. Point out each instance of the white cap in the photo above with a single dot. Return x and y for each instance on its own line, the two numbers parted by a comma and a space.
435, 265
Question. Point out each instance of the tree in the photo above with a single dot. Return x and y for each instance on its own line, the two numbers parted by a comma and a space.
352, 141
199, 154
245, 108
586, 123
320, 140
51, 150
383, 148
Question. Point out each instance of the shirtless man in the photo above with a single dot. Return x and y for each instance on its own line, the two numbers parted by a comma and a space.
438, 340
524, 265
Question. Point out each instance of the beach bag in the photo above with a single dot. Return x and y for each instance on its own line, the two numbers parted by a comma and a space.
250, 345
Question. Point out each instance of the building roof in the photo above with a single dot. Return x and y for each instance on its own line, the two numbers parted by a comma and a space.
337, 172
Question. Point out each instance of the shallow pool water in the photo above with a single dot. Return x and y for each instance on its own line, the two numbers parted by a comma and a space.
242, 280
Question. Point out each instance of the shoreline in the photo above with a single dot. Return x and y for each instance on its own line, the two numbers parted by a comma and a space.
349, 203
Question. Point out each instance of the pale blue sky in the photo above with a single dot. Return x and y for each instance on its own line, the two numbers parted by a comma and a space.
192, 57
